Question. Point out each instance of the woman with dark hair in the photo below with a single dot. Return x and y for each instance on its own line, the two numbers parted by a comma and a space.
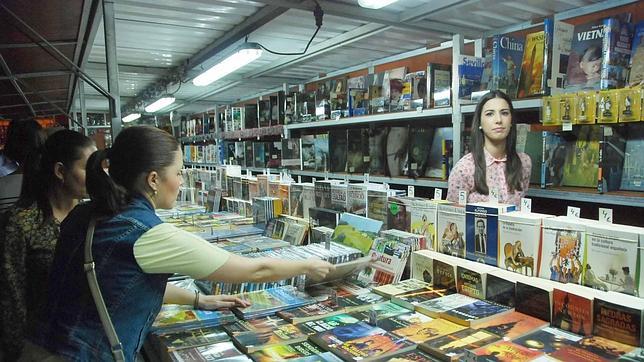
134, 252
54, 182
22, 138
493, 161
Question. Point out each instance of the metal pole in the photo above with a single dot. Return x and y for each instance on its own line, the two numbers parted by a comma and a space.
83, 109
112, 66
457, 116
15, 84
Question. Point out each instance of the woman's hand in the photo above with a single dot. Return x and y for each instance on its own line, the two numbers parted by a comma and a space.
318, 269
212, 302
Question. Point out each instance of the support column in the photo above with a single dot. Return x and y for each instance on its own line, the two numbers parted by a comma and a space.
81, 100
112, 67
457, 116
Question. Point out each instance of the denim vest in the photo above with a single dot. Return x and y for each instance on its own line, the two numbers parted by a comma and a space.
70, 325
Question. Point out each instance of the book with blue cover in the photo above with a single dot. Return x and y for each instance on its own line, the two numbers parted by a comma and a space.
633, 170
482, 231
470, 71
267, 302
174, 317
507, 53
473, 314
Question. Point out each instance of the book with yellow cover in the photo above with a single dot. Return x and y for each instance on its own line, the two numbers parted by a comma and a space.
419, 333
531, 78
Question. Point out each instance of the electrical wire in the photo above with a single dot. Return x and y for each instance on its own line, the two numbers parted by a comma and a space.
166, 88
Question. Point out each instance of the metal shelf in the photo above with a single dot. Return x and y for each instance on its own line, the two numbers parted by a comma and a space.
383, 117
532, 103
590, 197
198, 138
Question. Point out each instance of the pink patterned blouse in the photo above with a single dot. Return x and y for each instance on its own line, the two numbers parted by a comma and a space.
462, 178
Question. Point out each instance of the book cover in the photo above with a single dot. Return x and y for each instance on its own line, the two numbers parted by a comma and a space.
504, 351
585, 59
250, 116
470, 281
616, 51
381, 311
451, 347
637, 55
344, 333
284, 352
617, 321
377, 154
402, 320
482, 223
264, 114
327, 323
422, 267
338, 147
554, 158
470, 71
548, 340
291, 153
572, 312
439, 85
592, 349
444, 275
396, 151
296, 200
562, 250
339, 197
259, 153
168, 342
308, 199
357, 199
611, 258
356, 231
531, 80
451, 230
358, 151
290, 102
513, 325
520, 241
633, 170
507, 52
254, 340
374, 346
323, 217
399, 213
473, 314
419, 151
436, 163
174, 316
419, 333
534, 300
377, 205
322, 152
435, 307
360, 302
561, 43
581, 164
323, 194
401, 287
500, 290
224, 351
308, 152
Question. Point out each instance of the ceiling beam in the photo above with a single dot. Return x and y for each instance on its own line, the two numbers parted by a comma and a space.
124, 68
35, 45
32, 103
53, 73
15, 84
57, 90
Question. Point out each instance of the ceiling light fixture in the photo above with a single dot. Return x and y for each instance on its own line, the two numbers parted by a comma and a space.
131, 117
375, 4
247, 53
160, 104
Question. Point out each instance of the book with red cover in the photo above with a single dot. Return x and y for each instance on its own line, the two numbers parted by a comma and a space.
370, 347
513, 325
572, 312
592, 349
503, 351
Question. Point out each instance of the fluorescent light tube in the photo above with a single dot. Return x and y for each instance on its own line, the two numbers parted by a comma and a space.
375, 4
131, 117
246, 54
160, 104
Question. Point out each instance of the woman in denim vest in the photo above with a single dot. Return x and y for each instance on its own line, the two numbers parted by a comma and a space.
134, 252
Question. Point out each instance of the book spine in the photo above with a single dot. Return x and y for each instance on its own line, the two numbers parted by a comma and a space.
600, 161
544, 166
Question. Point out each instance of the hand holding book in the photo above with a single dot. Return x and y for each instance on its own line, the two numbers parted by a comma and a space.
318, 269
213, 302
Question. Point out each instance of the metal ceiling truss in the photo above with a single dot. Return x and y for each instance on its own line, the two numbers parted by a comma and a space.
33, 45
32, 103
53, 73
14, 82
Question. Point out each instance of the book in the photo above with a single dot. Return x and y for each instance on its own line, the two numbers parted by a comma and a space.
585, 59
561, 43
554, 158
470, 72
616, 51
471, 279
368, 348
377, 156
377, 204
173, 317
339, 197
396, 151
534, 298
308, 152
311, 312
618, 317
611, 257
323, 193
322, 163
582, 157
507, 52
412, 299
256, 339
266, 302
548, 340
633, 169
505, 351
357, 199
250, 116
572, 309
224, 351
162, 344
482, 225
451, 347
356, 231
444, 272
513, 325
381, 311
358, 151
322, 357
592, 349
401, 287
292, 153
520, 241
327, 323
451, 230
399, 213
419, 151
435, 307
562, 248
419, 333
338, 146
401, 321
532, 77
286, 352
422, 267
344, 333
474, 314
500, 287
636, 75
439, 84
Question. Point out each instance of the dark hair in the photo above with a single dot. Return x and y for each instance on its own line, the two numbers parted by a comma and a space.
136, 152
477, 142
23, 137
39, 179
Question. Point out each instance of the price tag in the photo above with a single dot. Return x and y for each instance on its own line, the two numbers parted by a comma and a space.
313, 179
566, 127
462, 197
608, 131
248, 174
494, 195
419, 109
326, 175
526, 204
606, 215
438, 194
573, 212
366, 178
299, 179
386, 185
373, 317
410, 191
267, 171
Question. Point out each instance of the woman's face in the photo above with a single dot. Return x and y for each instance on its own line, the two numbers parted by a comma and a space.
496, 120
74, 176
171, 181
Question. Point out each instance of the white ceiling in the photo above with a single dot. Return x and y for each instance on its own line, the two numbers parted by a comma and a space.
155, 36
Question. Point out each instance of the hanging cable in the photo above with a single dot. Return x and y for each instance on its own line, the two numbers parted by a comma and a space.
319, 14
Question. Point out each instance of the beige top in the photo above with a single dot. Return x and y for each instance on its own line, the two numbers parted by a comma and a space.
168, 249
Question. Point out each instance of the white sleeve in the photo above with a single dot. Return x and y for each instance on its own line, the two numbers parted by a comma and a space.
168, 249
